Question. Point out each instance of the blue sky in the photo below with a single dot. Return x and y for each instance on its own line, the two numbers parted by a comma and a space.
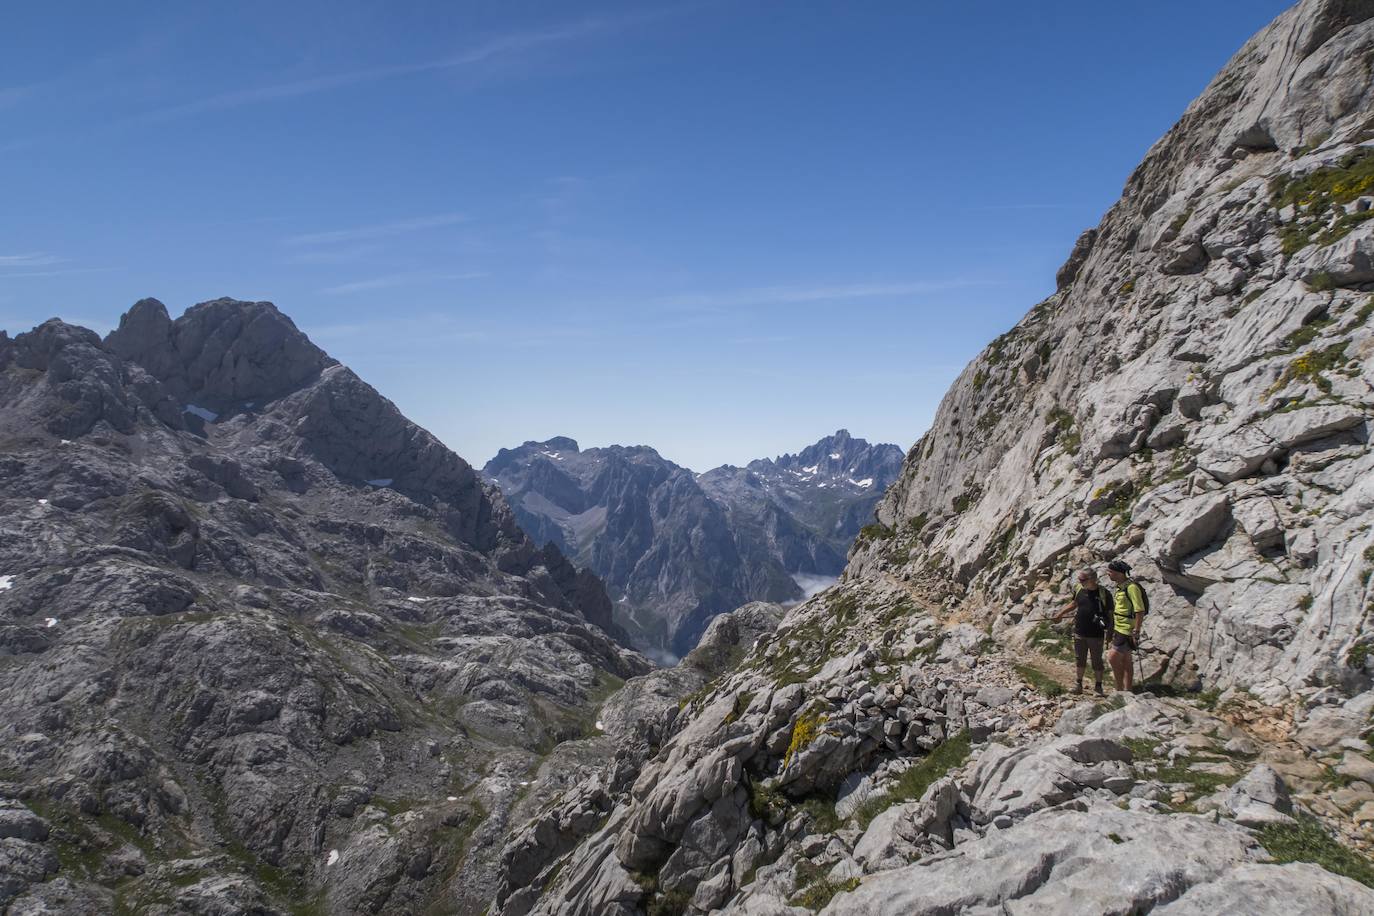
723, 229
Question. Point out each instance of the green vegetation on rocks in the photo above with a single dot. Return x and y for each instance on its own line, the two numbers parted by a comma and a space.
919, 777
1306, 840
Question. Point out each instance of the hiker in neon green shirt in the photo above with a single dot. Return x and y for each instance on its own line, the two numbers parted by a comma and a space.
1128, 615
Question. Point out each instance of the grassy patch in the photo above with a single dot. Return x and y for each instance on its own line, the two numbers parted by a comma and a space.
1196, 783
821, 809
1066, 433
1311, 367
820, 892
767, 804
919, 777
1318, 199
1141, 748
874, 532
1050, 639
742, 701
1308, 841
1039, 680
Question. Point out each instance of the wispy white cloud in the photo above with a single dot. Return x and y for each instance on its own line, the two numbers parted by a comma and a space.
798, 295
392, 280
490, 50
348, 254
376, 231
31, 259
60, 272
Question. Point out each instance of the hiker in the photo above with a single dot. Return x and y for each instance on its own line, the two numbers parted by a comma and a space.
1091, 607
1128, 615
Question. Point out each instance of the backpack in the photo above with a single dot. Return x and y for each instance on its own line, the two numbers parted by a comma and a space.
1144, 595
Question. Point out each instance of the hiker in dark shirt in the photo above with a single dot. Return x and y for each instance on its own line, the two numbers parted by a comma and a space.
1091, 607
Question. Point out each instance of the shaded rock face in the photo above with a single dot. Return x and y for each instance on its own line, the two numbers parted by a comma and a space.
283, 647
675, 548
1195, 398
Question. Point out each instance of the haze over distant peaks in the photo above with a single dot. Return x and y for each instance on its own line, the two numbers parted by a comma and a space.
676, 548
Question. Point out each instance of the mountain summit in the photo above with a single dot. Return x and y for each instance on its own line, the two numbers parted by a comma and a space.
254, 624
675, 548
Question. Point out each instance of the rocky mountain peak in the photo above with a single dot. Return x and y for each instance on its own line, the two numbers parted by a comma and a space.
220, 355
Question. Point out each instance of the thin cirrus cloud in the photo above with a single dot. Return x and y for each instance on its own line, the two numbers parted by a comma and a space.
392, 280
799, 295
376, 231
491, 50
31, 259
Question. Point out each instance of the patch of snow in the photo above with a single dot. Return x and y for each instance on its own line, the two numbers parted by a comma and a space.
865, 483
209, 416
554, 455
6, 582
249, 404
453, 798
417, 600
50, 622
381, 482
333, 857
42, 502
821, 486
524, 782
599, 726
815, 468
64, 442
834, 456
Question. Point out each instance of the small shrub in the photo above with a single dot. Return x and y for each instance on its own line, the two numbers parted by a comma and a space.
874, 532
1311, 366
804, 731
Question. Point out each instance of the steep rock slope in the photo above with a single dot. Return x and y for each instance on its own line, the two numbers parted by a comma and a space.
676, 548
264, 643
898, 745
1195, 398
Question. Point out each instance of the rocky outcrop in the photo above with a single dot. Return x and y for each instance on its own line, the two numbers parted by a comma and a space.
676, 548
264, 642
902, 743
1218, 441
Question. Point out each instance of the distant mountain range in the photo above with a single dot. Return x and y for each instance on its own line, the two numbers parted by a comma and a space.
677, 548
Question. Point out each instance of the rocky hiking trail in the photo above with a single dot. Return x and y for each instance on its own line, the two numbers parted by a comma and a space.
869, 756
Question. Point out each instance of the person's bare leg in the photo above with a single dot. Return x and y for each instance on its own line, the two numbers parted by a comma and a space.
1128, 667
1114, 659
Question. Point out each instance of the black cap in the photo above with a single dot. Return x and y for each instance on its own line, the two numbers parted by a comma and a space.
1120, 566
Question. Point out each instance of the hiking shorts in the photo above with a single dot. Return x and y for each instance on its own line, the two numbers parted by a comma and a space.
1122, 642
1085, 647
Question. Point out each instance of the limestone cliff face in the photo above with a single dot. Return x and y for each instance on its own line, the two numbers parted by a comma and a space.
1195, 398
265, 643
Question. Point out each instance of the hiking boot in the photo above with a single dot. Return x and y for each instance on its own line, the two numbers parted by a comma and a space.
1097, 689
1078, 688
